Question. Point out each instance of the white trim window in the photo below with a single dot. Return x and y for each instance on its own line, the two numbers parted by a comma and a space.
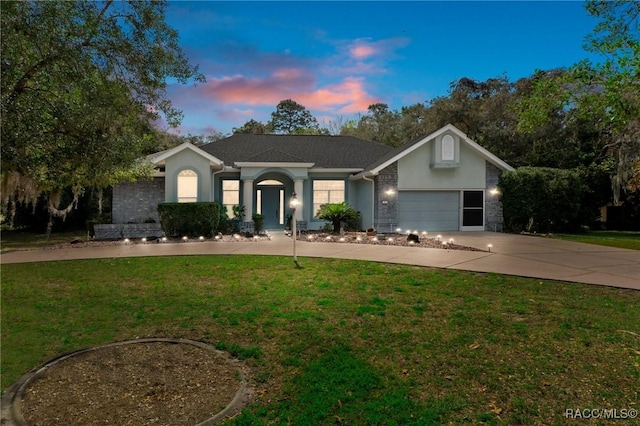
230, 195
187, 185
327, 191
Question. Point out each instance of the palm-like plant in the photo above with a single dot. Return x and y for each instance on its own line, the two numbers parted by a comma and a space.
337, 213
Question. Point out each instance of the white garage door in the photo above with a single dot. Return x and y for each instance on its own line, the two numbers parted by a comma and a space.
429, 210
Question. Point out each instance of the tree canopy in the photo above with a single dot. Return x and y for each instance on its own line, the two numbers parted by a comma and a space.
603, 96
81, 82
292, 118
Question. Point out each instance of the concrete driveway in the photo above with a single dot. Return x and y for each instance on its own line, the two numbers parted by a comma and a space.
527, 256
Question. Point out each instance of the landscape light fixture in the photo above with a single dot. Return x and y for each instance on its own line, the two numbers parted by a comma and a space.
294, 203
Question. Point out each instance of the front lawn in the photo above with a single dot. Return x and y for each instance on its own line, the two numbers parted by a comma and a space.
343, 341
620, 239
15, 240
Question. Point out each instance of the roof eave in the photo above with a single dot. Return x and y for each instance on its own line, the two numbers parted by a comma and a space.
161, 159
272, 164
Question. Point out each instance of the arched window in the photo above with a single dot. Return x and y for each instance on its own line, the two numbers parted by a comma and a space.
187, 186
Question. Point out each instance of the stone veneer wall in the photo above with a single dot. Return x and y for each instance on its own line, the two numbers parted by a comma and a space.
111, 231
386, 215
493, 203
135, 202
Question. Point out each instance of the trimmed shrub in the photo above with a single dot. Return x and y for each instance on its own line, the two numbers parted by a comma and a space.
542, 199
179, 219
258, 222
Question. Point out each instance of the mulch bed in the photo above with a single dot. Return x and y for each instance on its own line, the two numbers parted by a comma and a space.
133, 384
392, 239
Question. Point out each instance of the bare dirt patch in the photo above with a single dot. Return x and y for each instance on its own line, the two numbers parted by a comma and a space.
155, 382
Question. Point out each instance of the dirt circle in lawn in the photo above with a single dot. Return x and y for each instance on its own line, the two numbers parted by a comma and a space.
138, 382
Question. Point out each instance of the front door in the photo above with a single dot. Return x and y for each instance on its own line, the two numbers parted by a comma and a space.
271, 202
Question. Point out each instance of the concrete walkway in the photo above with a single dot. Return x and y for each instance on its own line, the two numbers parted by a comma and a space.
527, 256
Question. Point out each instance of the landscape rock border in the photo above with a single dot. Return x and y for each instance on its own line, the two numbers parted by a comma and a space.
12, 399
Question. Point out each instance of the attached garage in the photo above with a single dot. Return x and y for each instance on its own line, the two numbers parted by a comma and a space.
429, 210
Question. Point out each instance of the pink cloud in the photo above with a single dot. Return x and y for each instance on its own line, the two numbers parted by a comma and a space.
244, 90
364, 48
347, 96
362, 51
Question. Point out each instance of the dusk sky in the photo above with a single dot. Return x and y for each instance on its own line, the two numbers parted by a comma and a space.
337, 58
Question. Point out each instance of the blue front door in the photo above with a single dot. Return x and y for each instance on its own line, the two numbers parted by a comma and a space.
271, 204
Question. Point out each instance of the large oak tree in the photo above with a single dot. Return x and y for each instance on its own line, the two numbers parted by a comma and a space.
81, 82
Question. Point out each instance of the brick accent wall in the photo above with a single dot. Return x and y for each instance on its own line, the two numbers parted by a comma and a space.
135, 202
493, 203
386, 207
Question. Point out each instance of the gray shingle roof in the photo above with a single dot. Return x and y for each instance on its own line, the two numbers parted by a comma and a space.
325, 151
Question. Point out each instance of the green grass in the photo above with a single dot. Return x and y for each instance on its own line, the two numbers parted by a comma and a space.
343, 341
620, 239
14, 240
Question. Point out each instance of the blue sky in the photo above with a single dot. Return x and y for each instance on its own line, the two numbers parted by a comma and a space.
337, 58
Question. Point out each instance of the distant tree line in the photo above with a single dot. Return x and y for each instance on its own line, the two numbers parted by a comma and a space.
81, 88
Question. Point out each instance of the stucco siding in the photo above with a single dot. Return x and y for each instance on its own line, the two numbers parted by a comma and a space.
183, 160
362, 199
415, 171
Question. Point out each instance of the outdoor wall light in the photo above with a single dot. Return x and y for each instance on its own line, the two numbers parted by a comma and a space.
390, 192
494, 191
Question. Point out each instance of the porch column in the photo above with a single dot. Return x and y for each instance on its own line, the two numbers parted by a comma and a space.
247, 199
297, 188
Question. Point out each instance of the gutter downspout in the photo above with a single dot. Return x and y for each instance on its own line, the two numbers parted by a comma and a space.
213, 182
373, 200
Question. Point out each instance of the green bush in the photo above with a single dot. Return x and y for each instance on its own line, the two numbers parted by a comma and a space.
258, 222
541, 199
179, 219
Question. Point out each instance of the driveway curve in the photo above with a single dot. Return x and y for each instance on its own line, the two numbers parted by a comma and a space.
522, 255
